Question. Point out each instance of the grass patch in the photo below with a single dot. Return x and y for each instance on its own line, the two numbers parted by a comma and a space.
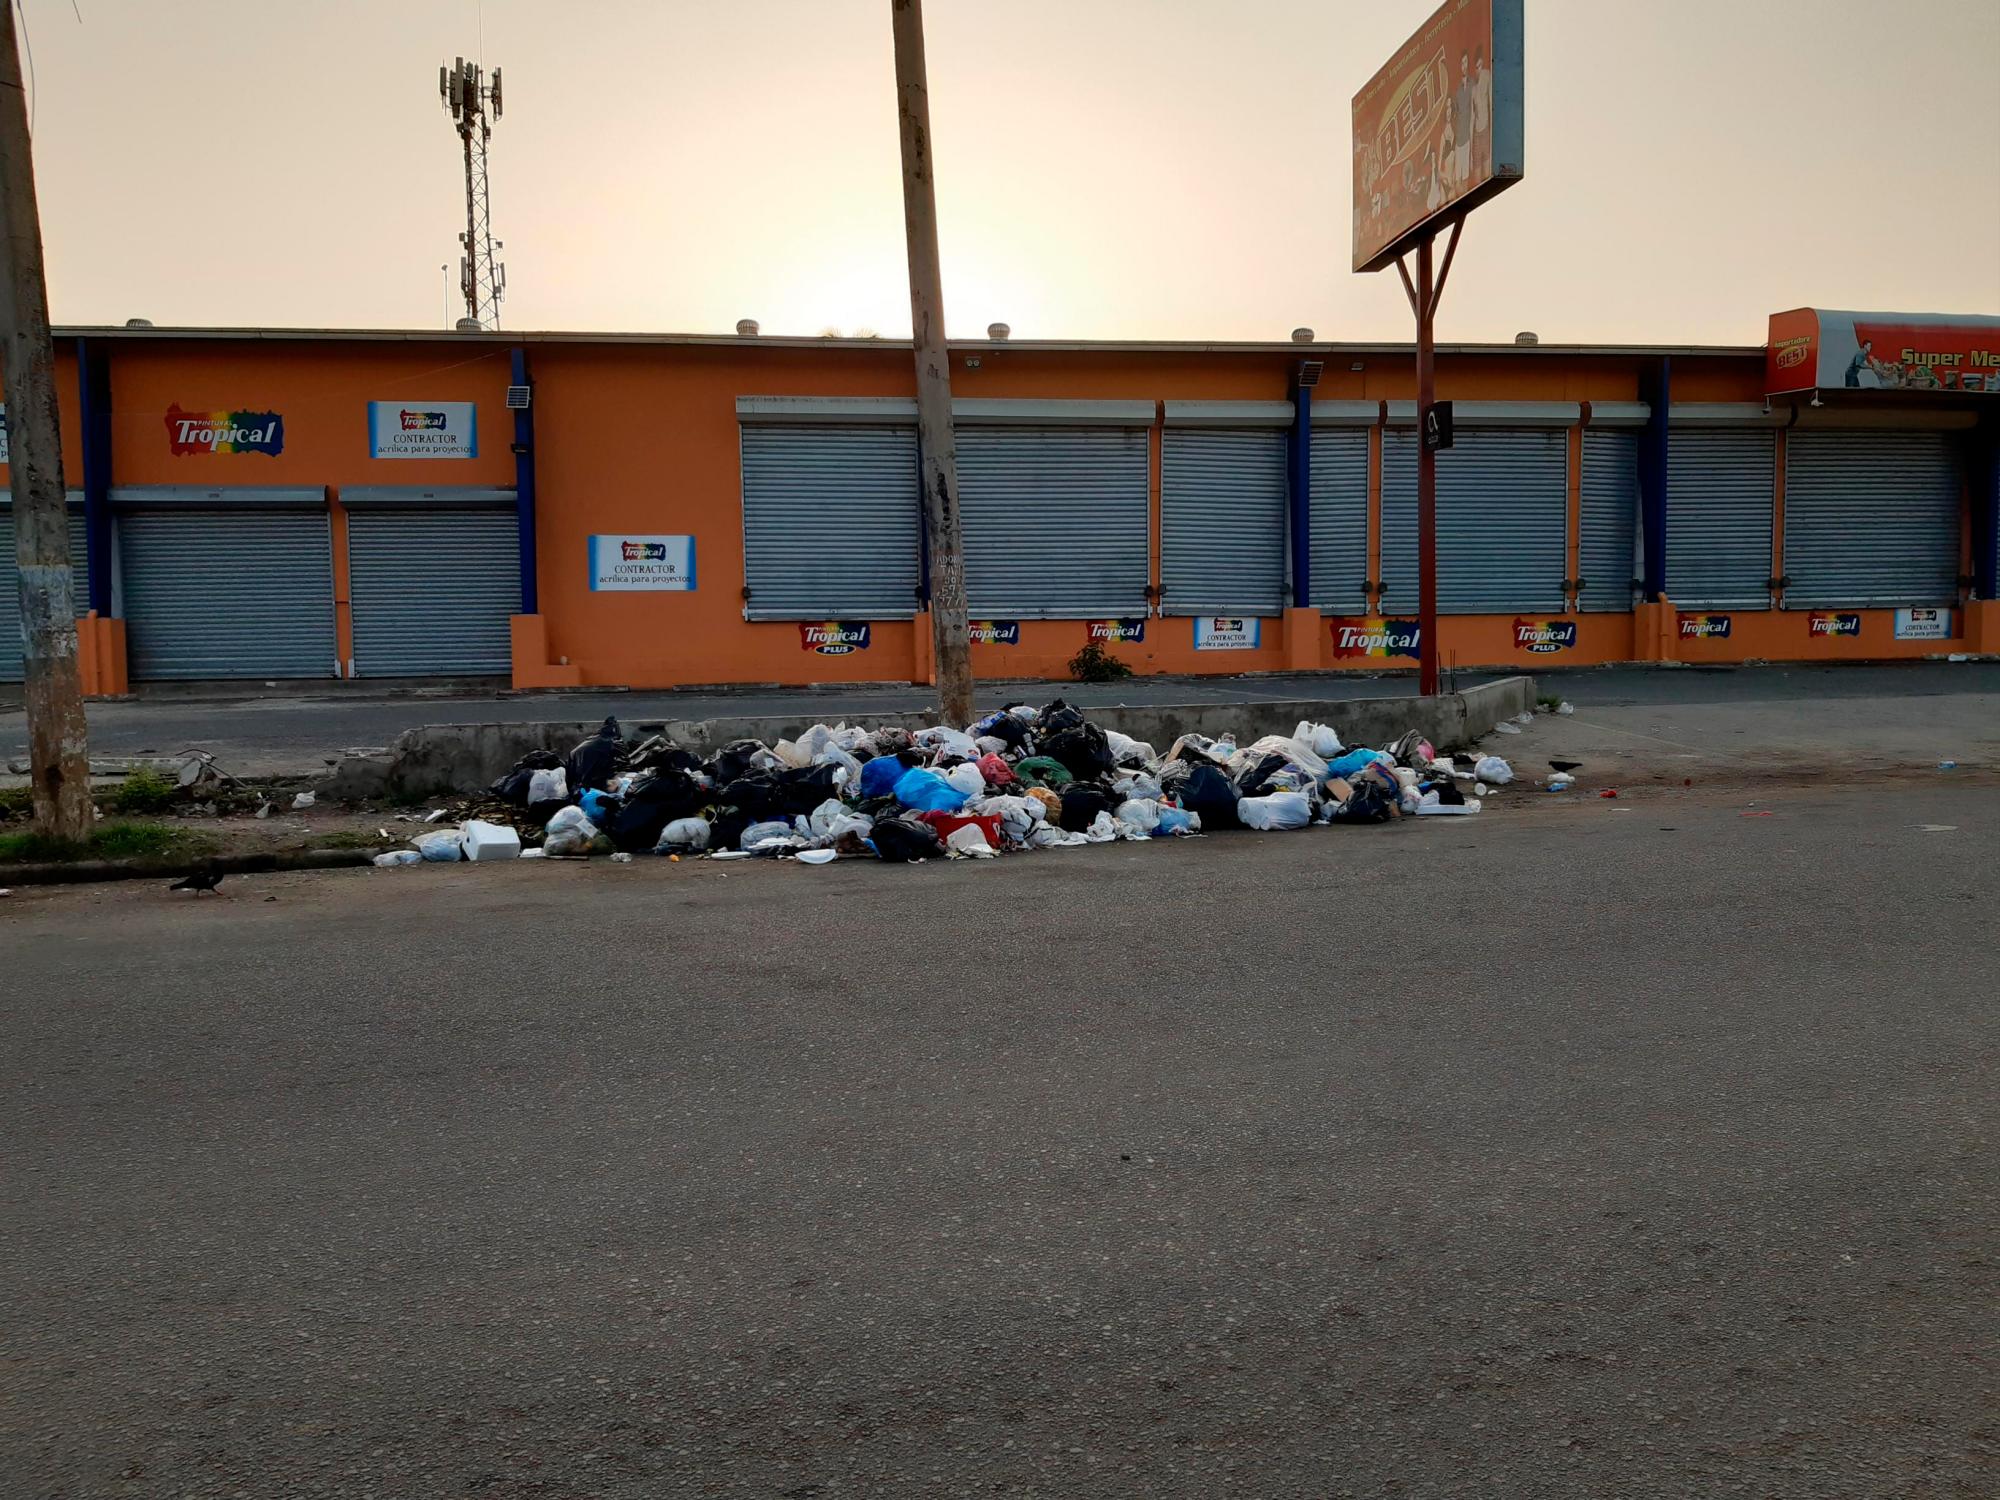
143, 792
16, 802
108, 841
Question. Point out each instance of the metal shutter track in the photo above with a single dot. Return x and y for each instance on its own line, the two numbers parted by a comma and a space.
235, 592
830, 522
1502, 518
1871, 518
1720, 486
1054, 521
1340, 519
1222, 519
433, 590
12, 645
1607, 517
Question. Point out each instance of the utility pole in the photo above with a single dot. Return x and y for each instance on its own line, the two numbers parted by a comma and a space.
950, 635
58, 739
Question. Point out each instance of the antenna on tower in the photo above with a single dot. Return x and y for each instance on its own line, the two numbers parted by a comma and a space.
474, 104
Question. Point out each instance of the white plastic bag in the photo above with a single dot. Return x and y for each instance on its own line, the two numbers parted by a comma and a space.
789, 754
967, 779
1018, 815
1127, 751
1138, 787
1493, 770
569, 832
1048, 836
1295, 751
825, 816
969, 838
1318, 738
813, 741
1279, 810
1139, 817
439, 846
398, 857
548, 786
775, 836
683, 835
1102, 829
943, 737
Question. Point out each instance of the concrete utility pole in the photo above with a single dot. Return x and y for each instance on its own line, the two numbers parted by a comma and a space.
58, 741
950, 635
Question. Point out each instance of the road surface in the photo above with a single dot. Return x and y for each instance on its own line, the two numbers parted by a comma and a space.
1640, 1147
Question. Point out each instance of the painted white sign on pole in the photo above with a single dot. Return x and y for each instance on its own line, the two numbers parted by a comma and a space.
423, 429
627, 564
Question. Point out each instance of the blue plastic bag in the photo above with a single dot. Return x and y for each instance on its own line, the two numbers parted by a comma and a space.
598, 807
1360, 760
880, 775
926, 791
1172, 821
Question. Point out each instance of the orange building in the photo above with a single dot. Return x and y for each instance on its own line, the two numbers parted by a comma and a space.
666, 511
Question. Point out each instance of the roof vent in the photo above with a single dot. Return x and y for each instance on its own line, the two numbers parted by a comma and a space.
138, 322
998, 332
1525, 337
469, 325
746, 328
1302, 335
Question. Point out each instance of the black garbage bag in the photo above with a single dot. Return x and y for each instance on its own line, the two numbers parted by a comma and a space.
782, 794
1371, 802
1055, 718
757, 794
512, 788
734, 761
540, 812
1005, 728
650, 804
726, 832
900, 840
1209, 795
596, 760
1082, 750
1081, 805
1256, 780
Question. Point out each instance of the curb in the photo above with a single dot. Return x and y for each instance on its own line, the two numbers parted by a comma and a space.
91, 871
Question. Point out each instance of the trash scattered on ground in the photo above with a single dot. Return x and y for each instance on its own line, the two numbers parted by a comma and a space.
398, 857
1565, 708
621, 858
302, 801
1610, 791
1019, 779
263, 809
1947, 765
1922, 827
1503, 727
435, 817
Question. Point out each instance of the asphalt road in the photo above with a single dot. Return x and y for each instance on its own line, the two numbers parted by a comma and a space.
1639, 1148
1883, 712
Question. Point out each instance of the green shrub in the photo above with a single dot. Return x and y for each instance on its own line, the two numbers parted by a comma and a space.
143, 791
1094, 664
109, 841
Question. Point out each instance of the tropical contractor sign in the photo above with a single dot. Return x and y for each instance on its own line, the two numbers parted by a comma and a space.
1438, 130
423, 429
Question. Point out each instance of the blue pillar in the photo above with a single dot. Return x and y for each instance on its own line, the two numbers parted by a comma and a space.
524, 488
1655, 388
1299, 470
93, 378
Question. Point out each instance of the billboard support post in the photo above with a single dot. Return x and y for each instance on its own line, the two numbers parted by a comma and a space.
1424, 292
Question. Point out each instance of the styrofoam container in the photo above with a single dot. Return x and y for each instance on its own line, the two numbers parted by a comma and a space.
481, 840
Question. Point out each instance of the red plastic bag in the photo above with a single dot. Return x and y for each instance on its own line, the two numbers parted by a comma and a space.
996, 771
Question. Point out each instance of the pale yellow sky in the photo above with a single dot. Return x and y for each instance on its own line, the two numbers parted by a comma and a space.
1107, 168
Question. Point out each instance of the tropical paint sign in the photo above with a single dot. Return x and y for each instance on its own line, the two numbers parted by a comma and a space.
1109, 631
633, 564
423, 429
1359, 638
1543, 636
1824, 622
1704, 627
190, 432
1227, 633
834, 637
995, 632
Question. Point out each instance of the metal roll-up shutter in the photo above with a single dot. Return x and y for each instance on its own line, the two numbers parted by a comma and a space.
1054, 521
1608, 518
433, 584
830, 521
12, 645
1502, 520
1720, 484
236, 590
1340, 519
1871, 519
1222, 522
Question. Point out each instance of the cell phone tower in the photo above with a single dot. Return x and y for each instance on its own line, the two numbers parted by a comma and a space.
474, 104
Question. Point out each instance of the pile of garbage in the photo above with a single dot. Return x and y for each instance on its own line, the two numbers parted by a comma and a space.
1021, 778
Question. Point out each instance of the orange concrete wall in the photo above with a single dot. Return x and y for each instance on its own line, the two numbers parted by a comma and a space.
1787, 635
69, 414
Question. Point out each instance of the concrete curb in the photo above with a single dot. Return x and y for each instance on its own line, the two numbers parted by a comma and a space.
90, 871
438, 760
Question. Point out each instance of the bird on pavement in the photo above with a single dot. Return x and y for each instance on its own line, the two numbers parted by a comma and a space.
203, 880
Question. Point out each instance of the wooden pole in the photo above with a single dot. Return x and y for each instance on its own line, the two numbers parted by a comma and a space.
58, 740
951, 639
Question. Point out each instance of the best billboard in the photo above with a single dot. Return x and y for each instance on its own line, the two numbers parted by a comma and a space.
1810, 348
1438, 130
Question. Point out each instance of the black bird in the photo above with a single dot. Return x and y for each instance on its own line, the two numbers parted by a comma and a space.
204, 880
1565, 765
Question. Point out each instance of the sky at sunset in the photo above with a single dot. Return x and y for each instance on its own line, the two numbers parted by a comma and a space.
1172, 169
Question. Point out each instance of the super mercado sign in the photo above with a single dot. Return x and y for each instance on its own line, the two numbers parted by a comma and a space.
1812, 348
423, 429
192, 432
